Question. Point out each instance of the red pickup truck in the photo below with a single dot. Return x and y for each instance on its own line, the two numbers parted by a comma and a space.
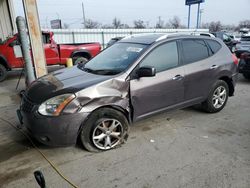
54, 53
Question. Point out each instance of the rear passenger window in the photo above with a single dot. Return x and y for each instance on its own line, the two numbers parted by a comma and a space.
162, 57
214, 46
194, 50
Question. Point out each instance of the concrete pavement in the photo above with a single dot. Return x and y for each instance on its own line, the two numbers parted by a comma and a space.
184, 148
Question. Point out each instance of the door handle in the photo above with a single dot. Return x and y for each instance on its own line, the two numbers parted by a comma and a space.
178, 77
214, 67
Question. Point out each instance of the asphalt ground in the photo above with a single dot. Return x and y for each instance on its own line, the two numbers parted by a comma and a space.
182, 148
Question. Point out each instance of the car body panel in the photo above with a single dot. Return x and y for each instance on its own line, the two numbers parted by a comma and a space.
136, 98
151, 94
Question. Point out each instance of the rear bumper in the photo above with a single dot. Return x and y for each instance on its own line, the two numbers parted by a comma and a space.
54, 131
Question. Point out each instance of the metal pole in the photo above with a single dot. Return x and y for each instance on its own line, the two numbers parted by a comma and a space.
103, 42
201, 11
83, 15
198, 16
189, 10
29, 71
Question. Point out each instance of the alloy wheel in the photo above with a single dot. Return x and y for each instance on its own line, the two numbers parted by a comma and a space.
219, 96
107, 134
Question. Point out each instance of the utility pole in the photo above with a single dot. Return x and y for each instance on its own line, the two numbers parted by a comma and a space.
189, 10
201, 11
198, 16
29, 72
32, 19
83, 15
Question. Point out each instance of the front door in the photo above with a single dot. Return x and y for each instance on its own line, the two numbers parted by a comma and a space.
153, 94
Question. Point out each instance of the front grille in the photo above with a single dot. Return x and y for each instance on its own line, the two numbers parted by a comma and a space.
26, 105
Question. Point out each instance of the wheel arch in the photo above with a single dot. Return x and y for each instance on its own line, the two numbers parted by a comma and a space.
82, 53
4, 62
125, 112
229, 82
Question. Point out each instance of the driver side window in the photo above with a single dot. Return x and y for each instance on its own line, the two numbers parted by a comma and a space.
163, 57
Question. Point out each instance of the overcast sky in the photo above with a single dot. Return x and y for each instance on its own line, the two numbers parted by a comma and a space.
103, 11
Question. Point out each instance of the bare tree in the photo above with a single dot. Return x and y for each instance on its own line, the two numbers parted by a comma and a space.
205, 25
107, 26
124, 26
215, 26
117, 23
139, 24
91, 24
244, 24
175, 22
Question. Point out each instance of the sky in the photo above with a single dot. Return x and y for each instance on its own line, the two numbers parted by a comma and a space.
104, 11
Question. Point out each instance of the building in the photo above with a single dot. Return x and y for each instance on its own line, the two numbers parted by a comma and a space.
7, 19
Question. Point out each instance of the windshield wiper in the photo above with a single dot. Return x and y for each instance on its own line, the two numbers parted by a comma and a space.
82, 67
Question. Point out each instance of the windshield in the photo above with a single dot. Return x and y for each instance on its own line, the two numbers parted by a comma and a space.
114, 59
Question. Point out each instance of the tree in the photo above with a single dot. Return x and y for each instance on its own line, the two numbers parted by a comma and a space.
117, 23
215, 26
244, 24
139, 24
175, 22
91, 24
107, 26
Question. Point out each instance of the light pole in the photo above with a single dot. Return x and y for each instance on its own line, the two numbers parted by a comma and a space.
201, 11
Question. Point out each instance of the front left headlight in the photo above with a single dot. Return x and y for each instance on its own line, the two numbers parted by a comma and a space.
55, 105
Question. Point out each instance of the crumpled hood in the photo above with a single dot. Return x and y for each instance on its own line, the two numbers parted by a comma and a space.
63, 81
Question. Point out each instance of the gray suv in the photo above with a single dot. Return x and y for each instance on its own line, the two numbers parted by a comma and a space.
136, 77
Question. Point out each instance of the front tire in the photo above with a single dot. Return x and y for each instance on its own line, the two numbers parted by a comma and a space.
105, 129
3, 73
217, 98
79, 60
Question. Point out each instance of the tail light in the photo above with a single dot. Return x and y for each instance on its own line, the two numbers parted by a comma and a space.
235, 59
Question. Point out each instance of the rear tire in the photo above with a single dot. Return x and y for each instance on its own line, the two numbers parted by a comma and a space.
217, 97
246, 76
104, 129
3, 73
79, 60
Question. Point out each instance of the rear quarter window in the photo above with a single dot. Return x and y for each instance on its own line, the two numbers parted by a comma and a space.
194, 50
214, 46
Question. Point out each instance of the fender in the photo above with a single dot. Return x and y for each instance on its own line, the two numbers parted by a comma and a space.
80, 52
4, 62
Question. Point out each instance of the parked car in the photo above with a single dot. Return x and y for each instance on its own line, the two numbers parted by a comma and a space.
235, 37
231, 43
244, 64
113, 40
135, 78
243, 46
54, 53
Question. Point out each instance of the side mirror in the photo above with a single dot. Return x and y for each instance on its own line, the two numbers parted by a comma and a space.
146, 71
40, 179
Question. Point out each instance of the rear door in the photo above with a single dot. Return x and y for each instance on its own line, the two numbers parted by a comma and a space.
153, 94
198, 69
